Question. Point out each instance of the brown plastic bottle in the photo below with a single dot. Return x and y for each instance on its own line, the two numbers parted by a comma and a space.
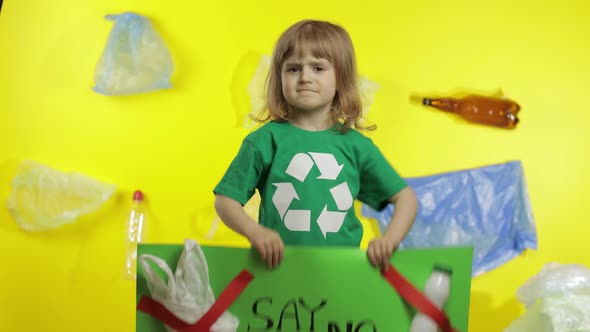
493, 111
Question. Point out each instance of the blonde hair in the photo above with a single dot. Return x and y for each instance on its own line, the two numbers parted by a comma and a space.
324, 40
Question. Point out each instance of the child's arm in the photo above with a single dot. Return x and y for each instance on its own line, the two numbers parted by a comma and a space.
266, 241
380, 249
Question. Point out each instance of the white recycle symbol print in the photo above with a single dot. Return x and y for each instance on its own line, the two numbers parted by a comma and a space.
300, 220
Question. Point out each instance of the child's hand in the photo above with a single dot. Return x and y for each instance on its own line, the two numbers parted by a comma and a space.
269, 245
380, 250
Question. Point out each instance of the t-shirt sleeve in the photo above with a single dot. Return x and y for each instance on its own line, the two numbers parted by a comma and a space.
241, 178
378, 179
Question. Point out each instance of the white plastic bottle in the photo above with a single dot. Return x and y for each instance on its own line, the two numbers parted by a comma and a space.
135, 233
437, 290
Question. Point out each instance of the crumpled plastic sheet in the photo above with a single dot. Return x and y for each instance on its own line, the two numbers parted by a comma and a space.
487, 208
43, 198
557, 300
256, 90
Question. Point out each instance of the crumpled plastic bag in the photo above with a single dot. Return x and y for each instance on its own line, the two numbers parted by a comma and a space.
186, 293
256, 90
557, 300
43, 198
487, 208
135, 59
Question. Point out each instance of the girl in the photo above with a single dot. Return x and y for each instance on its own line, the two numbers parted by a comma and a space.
308, 160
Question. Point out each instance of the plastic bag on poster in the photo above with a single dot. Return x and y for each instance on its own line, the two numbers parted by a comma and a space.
186, 292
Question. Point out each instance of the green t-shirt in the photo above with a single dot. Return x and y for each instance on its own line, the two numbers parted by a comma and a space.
308, 181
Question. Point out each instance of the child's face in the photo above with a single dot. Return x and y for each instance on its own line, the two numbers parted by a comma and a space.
309, 83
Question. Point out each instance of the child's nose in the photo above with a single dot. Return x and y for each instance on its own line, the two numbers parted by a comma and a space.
305, 75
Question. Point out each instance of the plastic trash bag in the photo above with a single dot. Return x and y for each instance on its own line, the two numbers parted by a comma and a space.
557, 300
135, 59
487, 208
186, 293
256, 91
43, 198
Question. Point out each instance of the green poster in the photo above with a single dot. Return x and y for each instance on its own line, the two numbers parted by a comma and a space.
321, 289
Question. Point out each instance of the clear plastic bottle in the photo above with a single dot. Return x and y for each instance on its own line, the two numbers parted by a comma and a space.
437, 290
135, 233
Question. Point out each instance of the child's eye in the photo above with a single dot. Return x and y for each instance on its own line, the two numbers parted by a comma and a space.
318, 68
293, 69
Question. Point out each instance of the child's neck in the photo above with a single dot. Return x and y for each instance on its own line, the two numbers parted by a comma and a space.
312, 121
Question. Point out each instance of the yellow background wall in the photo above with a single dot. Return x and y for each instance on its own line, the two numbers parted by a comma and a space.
176, 144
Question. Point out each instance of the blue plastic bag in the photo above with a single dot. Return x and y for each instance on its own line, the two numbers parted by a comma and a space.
487, 208
135, 59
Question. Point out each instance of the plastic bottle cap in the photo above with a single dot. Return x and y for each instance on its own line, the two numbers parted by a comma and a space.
138, 195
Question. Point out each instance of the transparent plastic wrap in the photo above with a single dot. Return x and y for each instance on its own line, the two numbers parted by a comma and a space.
135, 58
43, 198
557, 300
555, 280
487, 208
